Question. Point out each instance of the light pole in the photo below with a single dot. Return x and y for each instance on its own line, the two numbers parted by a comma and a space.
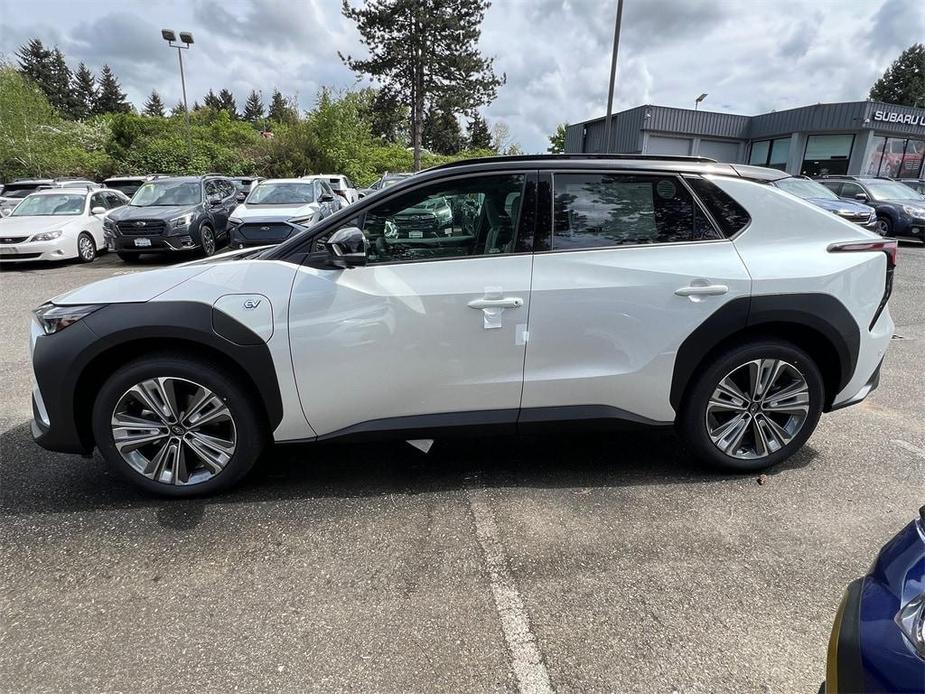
613, 74
170, 37
699, 99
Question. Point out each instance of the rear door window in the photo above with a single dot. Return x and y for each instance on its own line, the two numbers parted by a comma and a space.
593, 210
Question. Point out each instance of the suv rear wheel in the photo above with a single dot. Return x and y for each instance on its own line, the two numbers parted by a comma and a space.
753, 406
207, 240
177, 426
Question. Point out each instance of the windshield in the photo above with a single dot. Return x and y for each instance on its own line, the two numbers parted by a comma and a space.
54, 205
281, 194
805, 189
890, 190
167, 193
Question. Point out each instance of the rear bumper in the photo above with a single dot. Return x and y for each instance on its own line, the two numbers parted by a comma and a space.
873, 347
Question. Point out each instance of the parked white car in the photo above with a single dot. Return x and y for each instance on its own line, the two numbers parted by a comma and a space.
493, 295
277, 208
58, 224
340, 184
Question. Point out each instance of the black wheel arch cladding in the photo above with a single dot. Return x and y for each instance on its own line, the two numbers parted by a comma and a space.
813, 315
74, 360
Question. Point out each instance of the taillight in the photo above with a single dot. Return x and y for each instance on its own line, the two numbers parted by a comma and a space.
888, 246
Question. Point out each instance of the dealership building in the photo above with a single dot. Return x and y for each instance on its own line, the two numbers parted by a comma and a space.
859, 137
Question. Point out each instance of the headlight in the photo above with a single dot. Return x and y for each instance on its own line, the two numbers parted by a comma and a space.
181, 222
46, 236
110, 225
234, 220
914, 211
911, 622
302, 221
54, 318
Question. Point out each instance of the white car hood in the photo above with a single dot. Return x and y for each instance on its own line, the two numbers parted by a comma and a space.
247, 212
27, 226
132, 288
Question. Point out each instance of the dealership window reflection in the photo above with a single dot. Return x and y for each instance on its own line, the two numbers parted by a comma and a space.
827, 154
771, 153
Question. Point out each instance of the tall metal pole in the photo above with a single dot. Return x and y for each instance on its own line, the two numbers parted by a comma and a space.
613, 75
189, 132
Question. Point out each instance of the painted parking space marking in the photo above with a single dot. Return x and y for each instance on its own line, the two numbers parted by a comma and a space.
920, 452
526, 661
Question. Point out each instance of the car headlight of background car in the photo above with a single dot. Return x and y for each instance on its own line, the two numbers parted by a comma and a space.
181, 222
53, 318
46, 236
911, 622
303, 221
914, 211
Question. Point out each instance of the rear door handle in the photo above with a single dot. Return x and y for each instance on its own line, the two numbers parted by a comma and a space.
506, 302
705, 290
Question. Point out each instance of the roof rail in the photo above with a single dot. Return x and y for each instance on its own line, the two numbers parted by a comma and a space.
569, 157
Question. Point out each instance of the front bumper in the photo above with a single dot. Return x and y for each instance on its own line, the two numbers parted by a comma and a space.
36, 251
251, 234
159, 244
844, 672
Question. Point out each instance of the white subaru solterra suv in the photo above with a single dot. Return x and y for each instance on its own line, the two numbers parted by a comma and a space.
558, 289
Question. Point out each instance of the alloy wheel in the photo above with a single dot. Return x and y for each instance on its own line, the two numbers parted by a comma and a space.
85, 248
173, 431
883, 226
757, 408
208, 241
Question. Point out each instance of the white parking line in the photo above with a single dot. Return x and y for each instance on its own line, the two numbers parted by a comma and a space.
920, 452
527, 663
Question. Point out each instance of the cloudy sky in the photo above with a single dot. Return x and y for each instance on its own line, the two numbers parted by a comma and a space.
751, 56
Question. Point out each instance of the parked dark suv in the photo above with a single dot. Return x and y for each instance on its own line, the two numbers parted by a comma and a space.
183, 213
900, 209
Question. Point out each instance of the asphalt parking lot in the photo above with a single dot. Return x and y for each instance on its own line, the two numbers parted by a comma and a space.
584, 562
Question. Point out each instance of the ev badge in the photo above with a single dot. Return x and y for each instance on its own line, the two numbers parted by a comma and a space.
251, 304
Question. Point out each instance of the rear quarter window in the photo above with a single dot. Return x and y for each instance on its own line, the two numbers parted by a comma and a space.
729, 215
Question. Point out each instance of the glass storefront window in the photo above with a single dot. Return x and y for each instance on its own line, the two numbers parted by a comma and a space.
912, 159
874, 155
826, 154
892, 157
759, 156
780, 153
773, 153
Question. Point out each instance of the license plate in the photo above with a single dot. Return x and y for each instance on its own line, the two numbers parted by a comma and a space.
415, 234
142, 242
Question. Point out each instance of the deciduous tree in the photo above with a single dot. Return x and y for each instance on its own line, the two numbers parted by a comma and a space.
557, 139
903, 82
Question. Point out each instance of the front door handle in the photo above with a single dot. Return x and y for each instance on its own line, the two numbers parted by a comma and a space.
506, 302
702, 290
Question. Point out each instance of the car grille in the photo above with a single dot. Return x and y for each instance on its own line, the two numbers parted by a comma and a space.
416, 222
265, 231
143, 227
13, 239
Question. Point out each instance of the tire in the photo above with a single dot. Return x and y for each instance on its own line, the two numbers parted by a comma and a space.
229, 421
129, 257
86, 248
884, 226
702, 415
207, 241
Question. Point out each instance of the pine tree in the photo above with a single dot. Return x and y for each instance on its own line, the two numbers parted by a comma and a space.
62, 96
35, 63
425, 53
154, 106
226, 102
110, 98
210, 101
903, 83
388, 118
84, 91
442, 134
557, 139
281, 109
178, 110
479, 134
253, 107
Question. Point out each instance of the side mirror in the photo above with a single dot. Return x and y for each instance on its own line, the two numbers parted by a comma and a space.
98, 210
861, 196
240, 196
325, 197
347, 248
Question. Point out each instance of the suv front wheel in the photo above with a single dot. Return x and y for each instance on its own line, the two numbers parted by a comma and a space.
753, 406
176, 426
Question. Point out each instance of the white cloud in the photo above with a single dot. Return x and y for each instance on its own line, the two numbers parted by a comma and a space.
749, 56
